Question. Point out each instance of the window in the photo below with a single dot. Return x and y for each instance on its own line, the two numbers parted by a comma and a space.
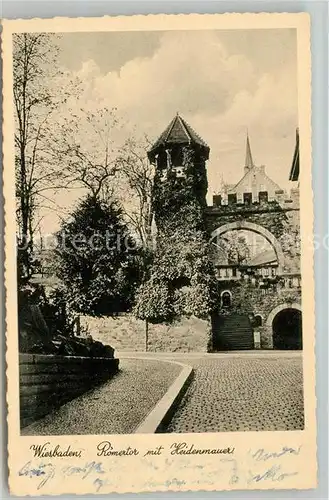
179, 171
247, 198
226, 299
231, 198
263, 196
177, 157
234, 272
217, 200
258, 320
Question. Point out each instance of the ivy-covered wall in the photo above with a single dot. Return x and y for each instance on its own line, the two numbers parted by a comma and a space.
181, 280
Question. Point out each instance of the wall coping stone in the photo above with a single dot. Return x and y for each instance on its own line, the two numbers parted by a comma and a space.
25, 358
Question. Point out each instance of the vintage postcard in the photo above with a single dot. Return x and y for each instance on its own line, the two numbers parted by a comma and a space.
159, 254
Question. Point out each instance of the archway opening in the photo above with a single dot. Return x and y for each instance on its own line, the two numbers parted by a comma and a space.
262, 239
243, 247
287, 330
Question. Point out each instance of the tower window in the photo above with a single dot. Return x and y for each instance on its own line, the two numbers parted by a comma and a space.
177, 157
179, 171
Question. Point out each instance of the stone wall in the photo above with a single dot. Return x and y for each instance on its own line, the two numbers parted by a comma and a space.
266, 337
126, 333
186, 335
48, 381
247, 299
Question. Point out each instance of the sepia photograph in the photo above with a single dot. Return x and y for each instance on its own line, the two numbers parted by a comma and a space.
158, 231
160, 321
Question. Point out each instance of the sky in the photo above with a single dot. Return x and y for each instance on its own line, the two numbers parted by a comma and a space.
223, 83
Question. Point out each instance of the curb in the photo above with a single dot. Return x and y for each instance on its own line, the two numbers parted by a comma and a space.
163, 411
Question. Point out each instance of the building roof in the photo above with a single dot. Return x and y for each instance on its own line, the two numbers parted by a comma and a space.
249, 162
263, 258
178, 132
294, 172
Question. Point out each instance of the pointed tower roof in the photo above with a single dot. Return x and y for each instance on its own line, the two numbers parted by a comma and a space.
178, 132
249, 162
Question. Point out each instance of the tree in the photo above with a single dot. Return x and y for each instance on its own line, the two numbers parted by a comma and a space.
97, 258
84, 146
138, 173
236, 248
37, 92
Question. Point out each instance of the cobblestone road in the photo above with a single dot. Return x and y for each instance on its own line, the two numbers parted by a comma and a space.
116, 407
242, 394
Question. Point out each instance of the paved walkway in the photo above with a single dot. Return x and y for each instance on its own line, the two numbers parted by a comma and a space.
242, 392
116, 407
234, 391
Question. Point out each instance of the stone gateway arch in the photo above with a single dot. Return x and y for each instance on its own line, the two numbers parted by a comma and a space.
267, 282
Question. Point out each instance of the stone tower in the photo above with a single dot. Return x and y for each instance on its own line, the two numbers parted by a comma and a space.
180, 183
181, 278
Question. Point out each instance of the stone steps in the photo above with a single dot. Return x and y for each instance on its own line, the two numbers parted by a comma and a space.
233, 333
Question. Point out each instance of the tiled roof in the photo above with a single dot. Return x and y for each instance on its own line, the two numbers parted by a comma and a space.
179, 132
266, 257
